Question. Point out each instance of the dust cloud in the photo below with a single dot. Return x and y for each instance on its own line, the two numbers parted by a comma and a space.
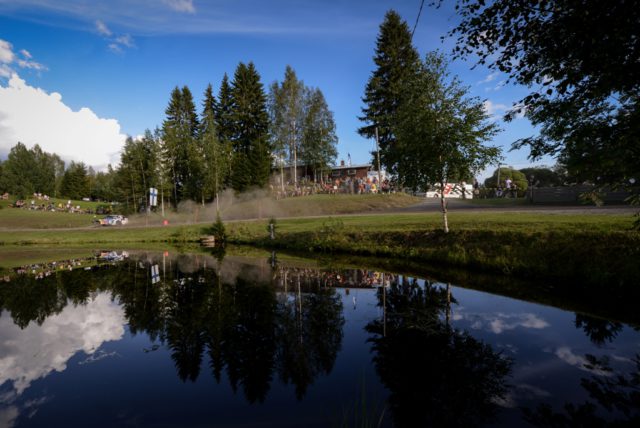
253, 204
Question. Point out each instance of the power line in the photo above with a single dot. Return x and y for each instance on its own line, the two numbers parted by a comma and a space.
417, 19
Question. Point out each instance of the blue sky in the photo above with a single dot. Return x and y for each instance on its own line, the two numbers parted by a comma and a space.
120, 59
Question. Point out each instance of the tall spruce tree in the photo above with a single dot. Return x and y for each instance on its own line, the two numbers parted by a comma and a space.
251, 149
225, 123
397, 61
75, 182
180, 153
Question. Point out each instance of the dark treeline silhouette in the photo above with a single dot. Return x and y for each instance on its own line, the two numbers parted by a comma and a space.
243, 322
614, 399
437, 375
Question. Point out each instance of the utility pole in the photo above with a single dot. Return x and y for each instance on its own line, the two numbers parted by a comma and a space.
378, 156
295, 154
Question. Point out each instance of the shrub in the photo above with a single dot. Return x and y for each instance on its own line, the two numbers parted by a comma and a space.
218, 230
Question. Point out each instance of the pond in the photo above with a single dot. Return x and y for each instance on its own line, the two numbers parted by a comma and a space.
161, 339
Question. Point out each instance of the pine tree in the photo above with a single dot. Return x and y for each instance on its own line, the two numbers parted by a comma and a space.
75, 182
251, 149
224, 121
397, 61
181, 155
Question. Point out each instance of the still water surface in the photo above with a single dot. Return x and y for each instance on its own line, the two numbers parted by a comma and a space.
190, 340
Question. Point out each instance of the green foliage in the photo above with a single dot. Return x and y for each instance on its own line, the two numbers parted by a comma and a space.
544, 177
301, 125
319, 139
218, 230
138, 171
180, 154
30, 170
250, 143
397, 62
580, 59
103, 186
516, 177
216, 155
440, 130
75, 181
286, 114
331, 232
183, 235
225, 124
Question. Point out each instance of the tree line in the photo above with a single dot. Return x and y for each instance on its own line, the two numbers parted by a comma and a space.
235, 142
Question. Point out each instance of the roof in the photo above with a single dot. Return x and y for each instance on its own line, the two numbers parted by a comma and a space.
352, 166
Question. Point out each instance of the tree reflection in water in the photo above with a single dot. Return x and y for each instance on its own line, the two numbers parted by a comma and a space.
436, 375
252, 324
598, 330
614, 400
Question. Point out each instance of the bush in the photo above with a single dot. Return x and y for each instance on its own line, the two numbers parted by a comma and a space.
516, 176
218, 230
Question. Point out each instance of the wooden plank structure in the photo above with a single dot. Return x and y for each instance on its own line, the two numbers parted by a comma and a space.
208, 241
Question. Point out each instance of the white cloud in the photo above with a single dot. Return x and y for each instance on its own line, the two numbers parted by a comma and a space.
8, 58
492, 108
125, 40
35, 351
5, 70
23, 63
522, 392
102, 29
499, 322
566, 354
117, 43
490, 78
8, 416
156, 17
115, 48
6, 52
185, 6
32, 116
499, 85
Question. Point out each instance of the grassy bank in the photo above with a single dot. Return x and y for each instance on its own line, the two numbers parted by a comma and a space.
591, 248
231, 208
588, 248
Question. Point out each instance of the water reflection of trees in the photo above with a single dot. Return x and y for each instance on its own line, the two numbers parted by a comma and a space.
255, 325
598, 330
436, 375
614, 400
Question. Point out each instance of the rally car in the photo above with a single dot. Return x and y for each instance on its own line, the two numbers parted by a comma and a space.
113, 220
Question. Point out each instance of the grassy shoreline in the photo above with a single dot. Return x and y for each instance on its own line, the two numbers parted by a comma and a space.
582, 248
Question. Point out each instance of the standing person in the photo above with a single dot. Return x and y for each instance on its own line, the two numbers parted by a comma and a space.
507, 186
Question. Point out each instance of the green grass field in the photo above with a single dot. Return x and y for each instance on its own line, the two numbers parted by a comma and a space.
262, 207
523, 223
562, 244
